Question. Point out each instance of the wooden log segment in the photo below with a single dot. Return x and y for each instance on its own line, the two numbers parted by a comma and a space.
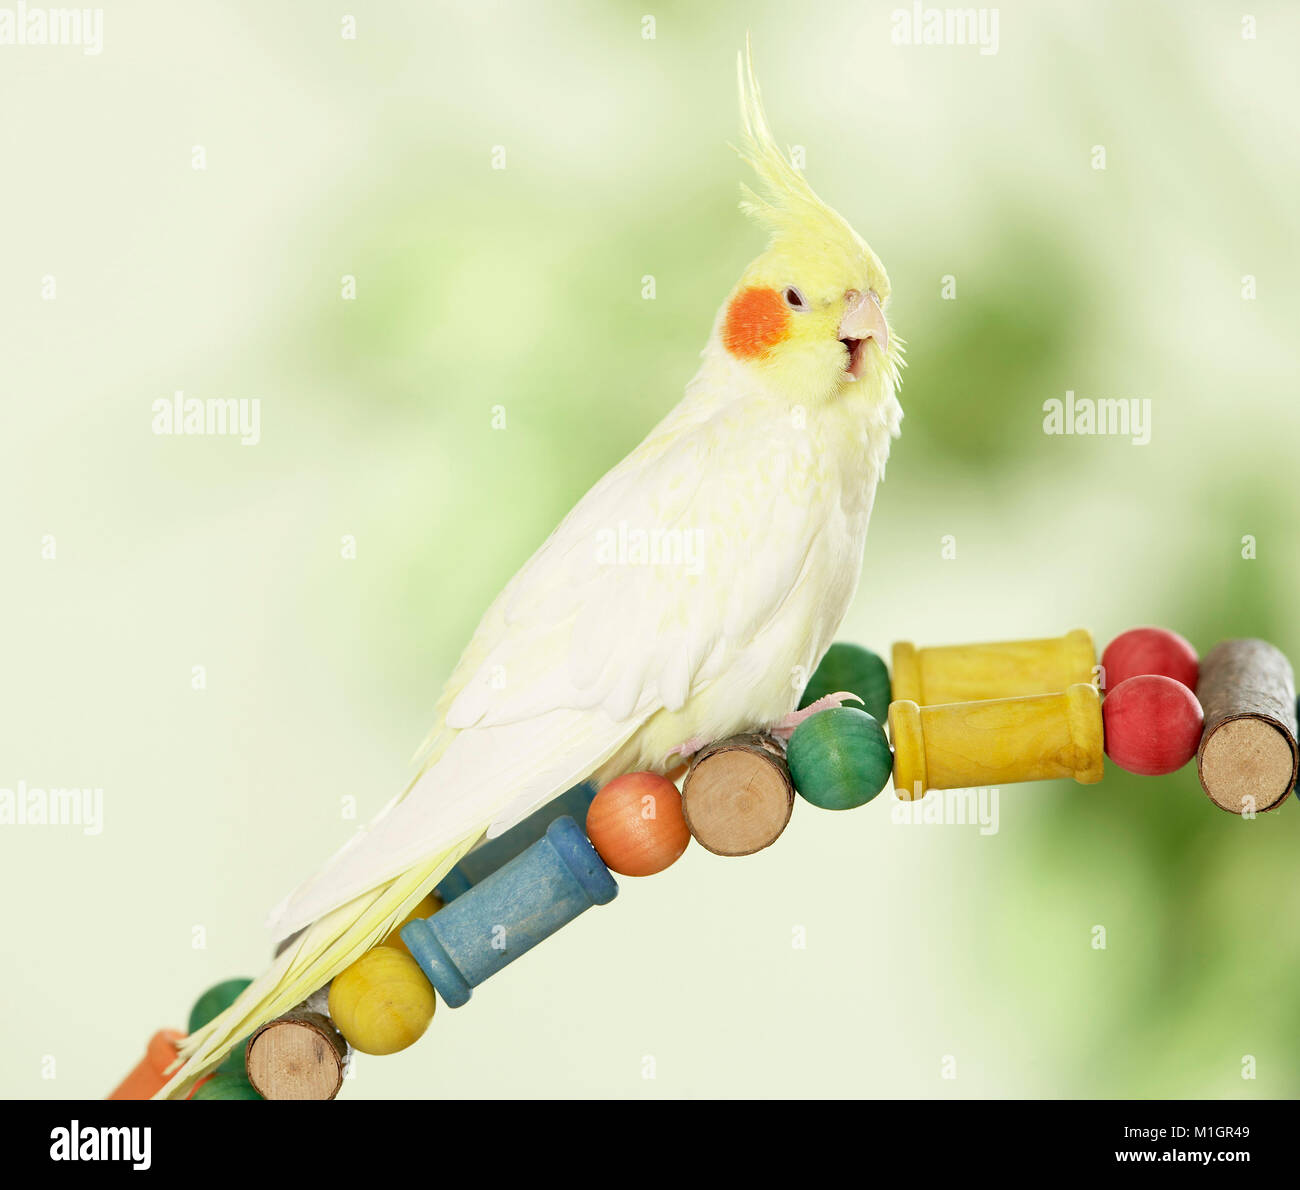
300, 1055
737, 796
1247, 760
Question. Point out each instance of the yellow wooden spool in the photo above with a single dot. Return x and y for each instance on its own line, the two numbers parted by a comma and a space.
1000, 741
1002, 669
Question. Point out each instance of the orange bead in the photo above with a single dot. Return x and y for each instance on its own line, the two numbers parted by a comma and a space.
147, 1079
636, 824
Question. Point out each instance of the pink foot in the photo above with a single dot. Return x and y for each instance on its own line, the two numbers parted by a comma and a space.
785, 729
689, 748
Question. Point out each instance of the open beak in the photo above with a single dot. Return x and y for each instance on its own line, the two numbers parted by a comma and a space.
863, 319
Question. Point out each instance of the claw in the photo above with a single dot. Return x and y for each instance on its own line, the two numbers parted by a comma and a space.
785, 729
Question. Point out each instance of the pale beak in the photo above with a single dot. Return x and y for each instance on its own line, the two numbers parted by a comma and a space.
863, 319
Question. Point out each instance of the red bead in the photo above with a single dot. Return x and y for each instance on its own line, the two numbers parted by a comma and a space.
1149, 651
1152, 724
635, 824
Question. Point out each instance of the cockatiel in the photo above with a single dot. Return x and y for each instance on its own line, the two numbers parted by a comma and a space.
588, 666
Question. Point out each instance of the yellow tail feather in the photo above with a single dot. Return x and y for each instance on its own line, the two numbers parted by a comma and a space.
316, 956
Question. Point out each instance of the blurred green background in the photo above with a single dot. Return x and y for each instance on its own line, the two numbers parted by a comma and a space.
521, 287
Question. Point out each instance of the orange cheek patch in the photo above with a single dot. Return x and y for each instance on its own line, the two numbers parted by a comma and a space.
757, 320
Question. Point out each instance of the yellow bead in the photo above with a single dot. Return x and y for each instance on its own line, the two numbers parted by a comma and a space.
426, 908
383, 1002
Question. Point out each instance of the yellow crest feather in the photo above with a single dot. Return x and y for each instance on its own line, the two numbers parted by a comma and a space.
785, 205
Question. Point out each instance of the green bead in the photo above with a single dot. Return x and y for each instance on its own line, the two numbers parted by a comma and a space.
212, 1004
852, 668
233, 1062
215, 1001
839, 759
226, 1086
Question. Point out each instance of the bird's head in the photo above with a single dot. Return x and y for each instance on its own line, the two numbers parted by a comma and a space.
808, 314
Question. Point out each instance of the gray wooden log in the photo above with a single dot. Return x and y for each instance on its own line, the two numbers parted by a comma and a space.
1247, 759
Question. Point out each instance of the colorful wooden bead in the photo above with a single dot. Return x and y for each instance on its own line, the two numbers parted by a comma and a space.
225, 1086
382, 1003
1004, 669
855, 669
1247, 759
737, 795
1149, 651
492, 854
636, 824
997, 742
215, 1001
211, 1005
147, 1078
1152, 724
511, 911
839, 759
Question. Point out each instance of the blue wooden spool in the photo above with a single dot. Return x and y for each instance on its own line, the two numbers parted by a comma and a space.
495, 853
510, 911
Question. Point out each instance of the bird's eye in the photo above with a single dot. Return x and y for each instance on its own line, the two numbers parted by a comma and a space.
794, 299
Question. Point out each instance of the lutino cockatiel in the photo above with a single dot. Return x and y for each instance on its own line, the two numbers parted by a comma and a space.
770, 461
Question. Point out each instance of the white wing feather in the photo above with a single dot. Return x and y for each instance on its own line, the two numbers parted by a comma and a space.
582, 648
